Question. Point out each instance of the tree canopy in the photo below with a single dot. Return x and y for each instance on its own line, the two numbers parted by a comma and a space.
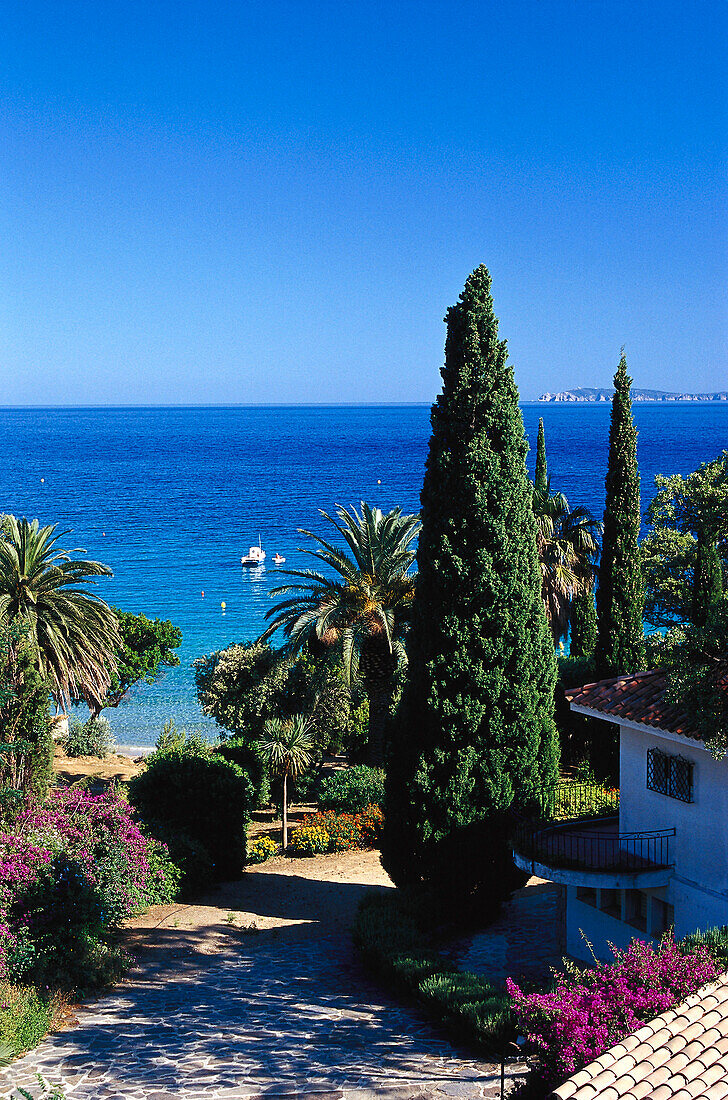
147, 646
360, 606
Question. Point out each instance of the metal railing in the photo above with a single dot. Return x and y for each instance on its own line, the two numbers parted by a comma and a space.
575, 826
569, 801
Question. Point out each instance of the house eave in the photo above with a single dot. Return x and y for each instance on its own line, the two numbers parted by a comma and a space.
640, 727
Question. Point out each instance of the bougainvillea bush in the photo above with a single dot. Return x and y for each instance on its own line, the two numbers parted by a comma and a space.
589, 1011
332, 832
71, 870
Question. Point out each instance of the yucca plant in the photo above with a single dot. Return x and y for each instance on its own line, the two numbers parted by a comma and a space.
363, 606
287, 748
74, 632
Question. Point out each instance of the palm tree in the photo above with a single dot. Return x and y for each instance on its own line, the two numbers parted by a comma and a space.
74, 632
287, 748
568, 548
363, 608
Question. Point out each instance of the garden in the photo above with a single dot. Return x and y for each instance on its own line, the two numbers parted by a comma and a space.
440, 693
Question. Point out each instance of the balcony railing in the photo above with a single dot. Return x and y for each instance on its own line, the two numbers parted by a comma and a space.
569, 801
576, 827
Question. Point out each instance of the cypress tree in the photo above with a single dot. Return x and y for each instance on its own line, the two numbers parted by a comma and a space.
620, 596
583, 625
475, 730
541, 478
707, 579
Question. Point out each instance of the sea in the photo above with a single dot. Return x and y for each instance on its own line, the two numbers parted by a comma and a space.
171, 498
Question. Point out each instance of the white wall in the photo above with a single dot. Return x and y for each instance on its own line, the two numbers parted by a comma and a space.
699, 888
599, 928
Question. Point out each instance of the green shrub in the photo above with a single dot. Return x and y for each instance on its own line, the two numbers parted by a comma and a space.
190, 857
240, 751
716, 941
352, 789
65, 946
91, 738
391, 939
202, 798
26, 1015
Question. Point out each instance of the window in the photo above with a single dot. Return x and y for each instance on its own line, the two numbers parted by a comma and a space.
586, 894
670, 775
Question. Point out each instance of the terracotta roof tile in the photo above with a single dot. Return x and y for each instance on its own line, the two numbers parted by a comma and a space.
681, 1055
639, 697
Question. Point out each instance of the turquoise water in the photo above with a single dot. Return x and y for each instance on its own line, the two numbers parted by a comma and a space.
171, 497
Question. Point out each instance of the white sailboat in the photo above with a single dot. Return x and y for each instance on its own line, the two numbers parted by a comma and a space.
255, 556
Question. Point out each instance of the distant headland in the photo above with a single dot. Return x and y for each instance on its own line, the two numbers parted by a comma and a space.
585, 393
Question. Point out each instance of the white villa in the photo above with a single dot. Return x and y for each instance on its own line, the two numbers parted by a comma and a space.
662, 859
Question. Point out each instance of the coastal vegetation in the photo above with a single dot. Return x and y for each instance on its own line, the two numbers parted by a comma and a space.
199, 803
73, 633
568, 548
475, 732
362, 611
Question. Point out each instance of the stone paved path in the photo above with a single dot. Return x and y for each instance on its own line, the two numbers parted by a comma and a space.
282, 1012
525, 942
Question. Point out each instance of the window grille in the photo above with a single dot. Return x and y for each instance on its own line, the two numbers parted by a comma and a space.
670, 775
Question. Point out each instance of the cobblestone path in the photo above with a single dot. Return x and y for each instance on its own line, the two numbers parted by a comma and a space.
284, 1012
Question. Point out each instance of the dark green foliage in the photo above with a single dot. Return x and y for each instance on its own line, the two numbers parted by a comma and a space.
541, 478
389, 934
620, 595
708, 580
90, 738
239, 751
147, 645
358, 608
685, 551
475, 729
583, 626
352, 789
26, 742
200, 805
696, 661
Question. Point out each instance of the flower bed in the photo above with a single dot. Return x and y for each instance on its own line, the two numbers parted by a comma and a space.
332, 832
261, 849
589, 1011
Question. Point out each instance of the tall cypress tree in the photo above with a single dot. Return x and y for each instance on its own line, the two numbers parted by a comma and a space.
620, 596
475, 730
541, 477
583, 625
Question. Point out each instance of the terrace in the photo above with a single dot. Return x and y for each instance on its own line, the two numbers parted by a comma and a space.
573, 837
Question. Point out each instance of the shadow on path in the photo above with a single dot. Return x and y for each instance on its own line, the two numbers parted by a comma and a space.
213, 1011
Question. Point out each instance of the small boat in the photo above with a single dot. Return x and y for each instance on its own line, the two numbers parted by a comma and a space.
278, 559
255, 556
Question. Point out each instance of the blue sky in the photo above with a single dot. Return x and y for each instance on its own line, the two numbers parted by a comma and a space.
254, 202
